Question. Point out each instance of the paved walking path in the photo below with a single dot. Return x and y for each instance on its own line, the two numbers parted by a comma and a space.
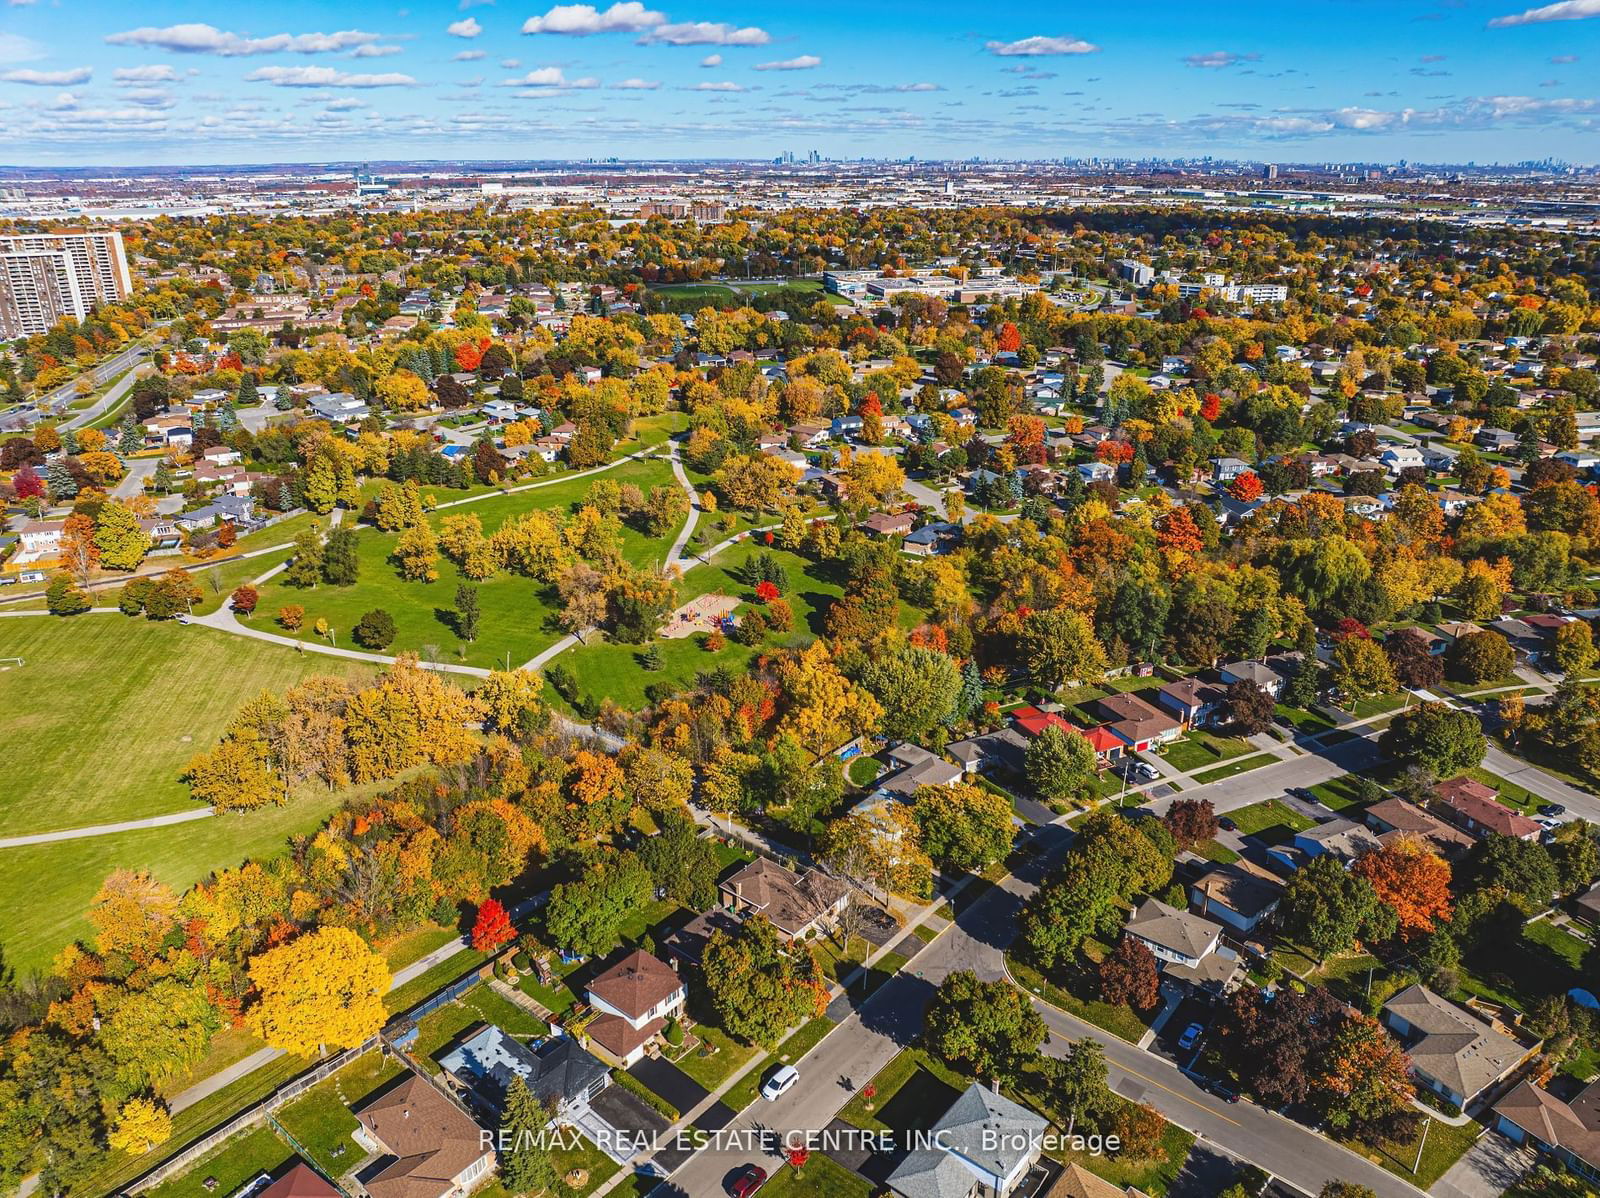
131, 825
674, 555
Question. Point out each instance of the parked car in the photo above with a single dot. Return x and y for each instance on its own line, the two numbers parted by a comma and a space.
1227, 825
748, 1182
1552, 809
780, 1083
1190, 1037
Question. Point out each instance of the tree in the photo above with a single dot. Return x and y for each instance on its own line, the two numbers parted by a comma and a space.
525, 1164
586, 916
375, 630
237, 775
142, 1124
1361, 669
340, 565
507, 699
467, 612
1481, 657
1409, 879
305, 567
987, 1028
682, 863
1441, 739
1328, 909
64, 597
1128, 975
1140, 1128
291, 616
492, 928
1059, 764
1075, 903
1574, 647
417, 552
917, 687
964, 827
119, 538
1275, 1043
157, 1033
322, 989
1078, 1082
1366, 1078
1059, 645
1249, 707
1246, 487
1191, 821
1345, 1189
1520, 869
244, 599
759, 987
1414, 664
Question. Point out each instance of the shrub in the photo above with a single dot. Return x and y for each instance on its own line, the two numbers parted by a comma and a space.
291, 616
375, 630
674, 1032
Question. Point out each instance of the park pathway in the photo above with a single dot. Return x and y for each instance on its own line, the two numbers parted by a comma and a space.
131, 825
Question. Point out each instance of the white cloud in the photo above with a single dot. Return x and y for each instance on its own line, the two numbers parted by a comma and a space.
711, 60
1038, 47
1217, 60
208, 39
325, 77
1566, 10
511, 64
47, 78
708, 33
150, 97
467, 56
20, 3
550, 78
582, 20
466, 27
919, 87
1562, 60
717, 87
153, 73
803, 63
637, 85
375, 51
344, 104
16, 48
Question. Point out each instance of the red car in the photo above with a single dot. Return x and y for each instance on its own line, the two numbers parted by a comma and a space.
748, 1182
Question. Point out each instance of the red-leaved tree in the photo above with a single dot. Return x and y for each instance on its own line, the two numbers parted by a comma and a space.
1246, 487
245, 598
492, 928
1129, 976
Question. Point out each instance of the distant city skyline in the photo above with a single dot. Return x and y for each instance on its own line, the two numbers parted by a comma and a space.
167, 83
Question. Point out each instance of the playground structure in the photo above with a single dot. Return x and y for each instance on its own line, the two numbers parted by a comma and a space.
705, 613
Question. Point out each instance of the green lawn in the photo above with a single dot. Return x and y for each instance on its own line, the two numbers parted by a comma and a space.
1238, 765
822, 1177
615, 670
1199, 749
517, 613
1272, 820
218, 579
743, 1092
483, 1004
864, 770
1345, 791
321, 1120
716, 1057
1074, 997
1445, 1146
232, 1163
1308, 722
103, 717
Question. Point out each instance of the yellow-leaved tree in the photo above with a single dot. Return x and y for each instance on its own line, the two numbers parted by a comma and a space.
142, 1124
319, 991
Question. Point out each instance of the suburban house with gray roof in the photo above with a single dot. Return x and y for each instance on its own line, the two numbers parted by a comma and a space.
1455, 1053
1567, 1131
795, 903
1187, 947
984, 1146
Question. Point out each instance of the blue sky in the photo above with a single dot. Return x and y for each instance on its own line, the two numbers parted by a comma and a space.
113, 82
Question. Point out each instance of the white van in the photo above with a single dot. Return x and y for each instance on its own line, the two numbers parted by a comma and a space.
780, 1083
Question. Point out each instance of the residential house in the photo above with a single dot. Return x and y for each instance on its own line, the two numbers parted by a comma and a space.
1344, 839
1260, 673
1568, 1132
1586, 906
1187, 946
1196, 704
38, 540
1225, 470
635, 997
339, 407
222, 455
914, 767
810, 434
1497, 440
1527, 641
1396, 458
1471, 806
983, 1145
1239, 895
300, 1182
1005, 749
433, 1149
163, 532
797, 904
560, 1072
1077, 1182
688, 943
1137, 723
1097, 472
1454, 1052
933, 540
887, 524
1395, 819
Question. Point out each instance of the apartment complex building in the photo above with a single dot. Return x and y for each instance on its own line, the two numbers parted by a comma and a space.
45, 277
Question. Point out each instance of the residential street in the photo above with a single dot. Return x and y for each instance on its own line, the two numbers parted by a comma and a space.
891, 1018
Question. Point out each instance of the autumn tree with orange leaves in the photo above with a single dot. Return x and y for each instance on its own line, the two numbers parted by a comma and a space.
1177, 532
1246, 487
1412, 880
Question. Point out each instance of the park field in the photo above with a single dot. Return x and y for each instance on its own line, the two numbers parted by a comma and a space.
612, 670
518, 614
107, 711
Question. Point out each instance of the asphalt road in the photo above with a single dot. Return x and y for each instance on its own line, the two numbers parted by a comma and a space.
892, 1018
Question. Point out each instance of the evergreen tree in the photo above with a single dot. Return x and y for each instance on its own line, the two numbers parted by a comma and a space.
69, 443
467, 612
340, 566
249, 393
60, 481
131, 440
525, 1166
